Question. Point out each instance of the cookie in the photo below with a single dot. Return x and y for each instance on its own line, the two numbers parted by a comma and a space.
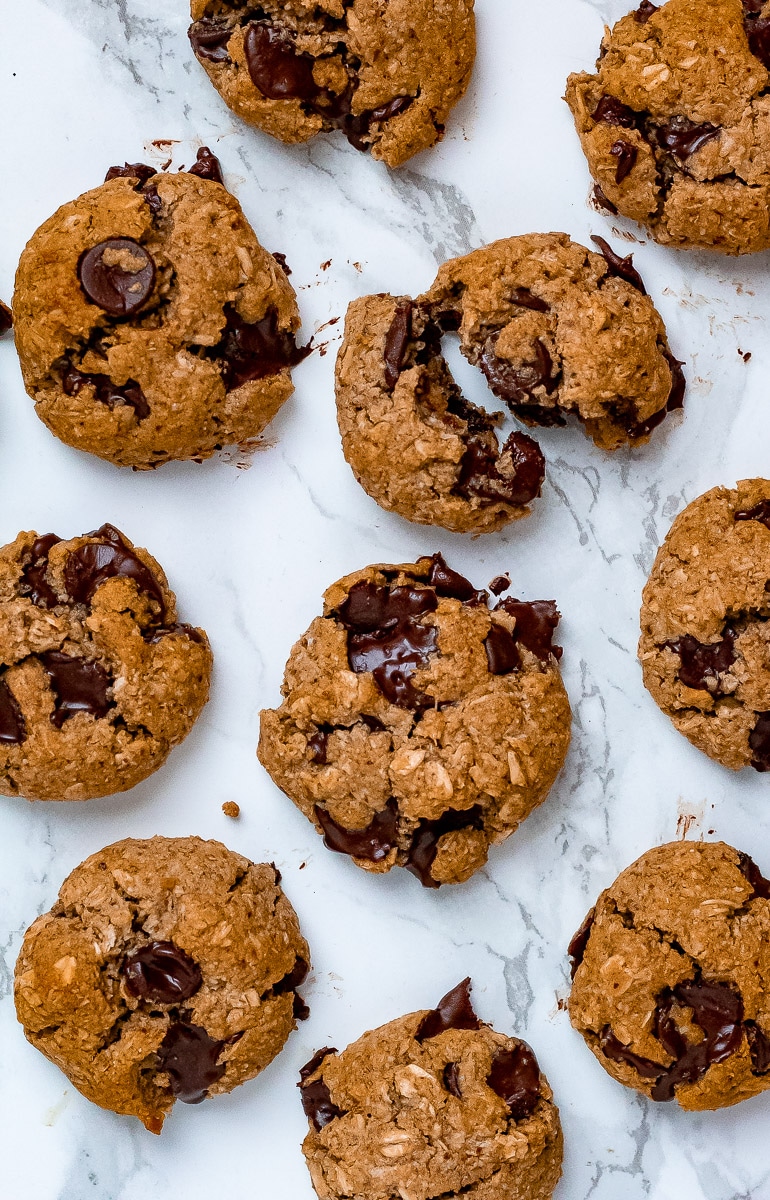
557, 331
671, 974
166, 970
675, 123
705, 644
432, 1104
98, 680
150, 323
386, 75
419, 725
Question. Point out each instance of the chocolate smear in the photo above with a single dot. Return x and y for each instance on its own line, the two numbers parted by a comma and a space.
255, 350
577, 946
374, 843
602, 202
160, 973
424, 847
614, 1049
622, 268
78, 685
13, 729
190, 1059
515, 1077
117, 275
88, 567
453, 1011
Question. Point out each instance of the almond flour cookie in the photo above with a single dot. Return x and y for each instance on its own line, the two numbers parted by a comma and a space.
167, 970
419, 725
675, 123
671, 975
432, 1104
705, 645
557, 331
386, 75
150, 323
98, 681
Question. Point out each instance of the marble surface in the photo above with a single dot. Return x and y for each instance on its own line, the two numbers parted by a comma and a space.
249, 545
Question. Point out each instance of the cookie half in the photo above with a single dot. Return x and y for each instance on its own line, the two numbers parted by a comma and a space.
167, 970
432, 1104
150, 323
98, 679
419, 724
671, 971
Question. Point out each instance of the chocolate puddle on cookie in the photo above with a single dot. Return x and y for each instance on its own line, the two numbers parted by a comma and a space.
104, 390
78, 685
160, 972
515, 1078
373, 843
424, 845
254, 350
88, 567
190, 1058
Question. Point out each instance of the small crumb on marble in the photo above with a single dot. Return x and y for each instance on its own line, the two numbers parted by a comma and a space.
231, 809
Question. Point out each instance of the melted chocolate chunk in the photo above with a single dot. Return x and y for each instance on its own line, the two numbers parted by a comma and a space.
189, 1057
453, 1011
424, 847
480, 476
602, 202
318, 744
536, 623
105, 391
515, 1078
645, 11
446, 582
577, 947
759, 742
206, 166
161, 973
626, 154
138, 171
254, 351
290, 982
91, 564
757, 30
451, 1079
614, 1049
282, 263
385, 637
300, 1010
610, 111
117, 275
749, 868
209, 39
34, 575
682, 138
6, 318
477, 419
516, 383
502, 653
622, 268
703, 662
153, 636
78, 685
718, 1010
373, 843
500, 584
523, 298
678, 382
760, 512
13, 729
275, 67
316, 1098
397, 342
759, 1048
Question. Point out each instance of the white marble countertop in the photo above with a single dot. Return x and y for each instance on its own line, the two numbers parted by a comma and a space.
249, 546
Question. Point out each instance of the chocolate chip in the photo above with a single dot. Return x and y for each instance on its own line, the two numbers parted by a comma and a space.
626, 154
318, 743
760, 885
34, 575
502, 654
602, 202
480, 474
154, 202
645, 11
759, 1048
453, 1011
316, 1099
449, 583
536, 623
718, 1010
577, 947
105, 391
275, 67
523, 298
161, 973
425, 840
206, 166
396, 342
682, 138
760, 512
189, 1057
516, 383
614, 1049
759, 742
622, 268
256, 350
78, 685
610, 111
118, 275
138, 171
373, 843
209, 39
515, 1078
13, 729
451, 1079
6, 318
500, 584
703, 662
91, 564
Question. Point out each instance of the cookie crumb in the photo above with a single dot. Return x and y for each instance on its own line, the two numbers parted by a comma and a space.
231, 809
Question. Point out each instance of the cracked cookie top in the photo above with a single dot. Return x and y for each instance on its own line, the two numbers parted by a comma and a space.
671, 974
557, 330
435, 1103
675, 123
705, 643
419, 724
386, 75
150, 323
167, 970
98, 680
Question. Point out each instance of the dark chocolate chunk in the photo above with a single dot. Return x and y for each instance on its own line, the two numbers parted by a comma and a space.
718, 1010
13, 729
447, 582
757, 30
282, 263
117, 275
290, 982
373, 843
623, 268
424, 847
760, 512
577, 946
316, 1098
256, 350
502, 654
6, 318
678, 382
275, 67
536, 623
626, 154
300, 1010
703, 662
91, 564
78, 685
523, 298
515, 1078
154, 202
759, 742
682, 138
138, 171
451, 1079
516, 383
190, 1059
500, 584
206, 166
161, 973
453, 1011
614, 1049
610, 111
645, 11
749, 868
34, 574
480, 475
317, 745
759, 1048
386, 112
397, 341
602, 202
105, 391
153, 636
209, 39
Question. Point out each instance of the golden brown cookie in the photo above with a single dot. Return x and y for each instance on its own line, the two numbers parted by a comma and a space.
557, 331
705, 644
675, 123
432, 1104
419, 725
167, 970
98, 680
387, 75
150, 323
671, 975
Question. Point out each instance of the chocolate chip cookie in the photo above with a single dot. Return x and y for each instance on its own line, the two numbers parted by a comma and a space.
705, 645
675, 123
671, 972
167, 970
432, 1104
419, 724
386, 75
557, 331
150, 323
98, 680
